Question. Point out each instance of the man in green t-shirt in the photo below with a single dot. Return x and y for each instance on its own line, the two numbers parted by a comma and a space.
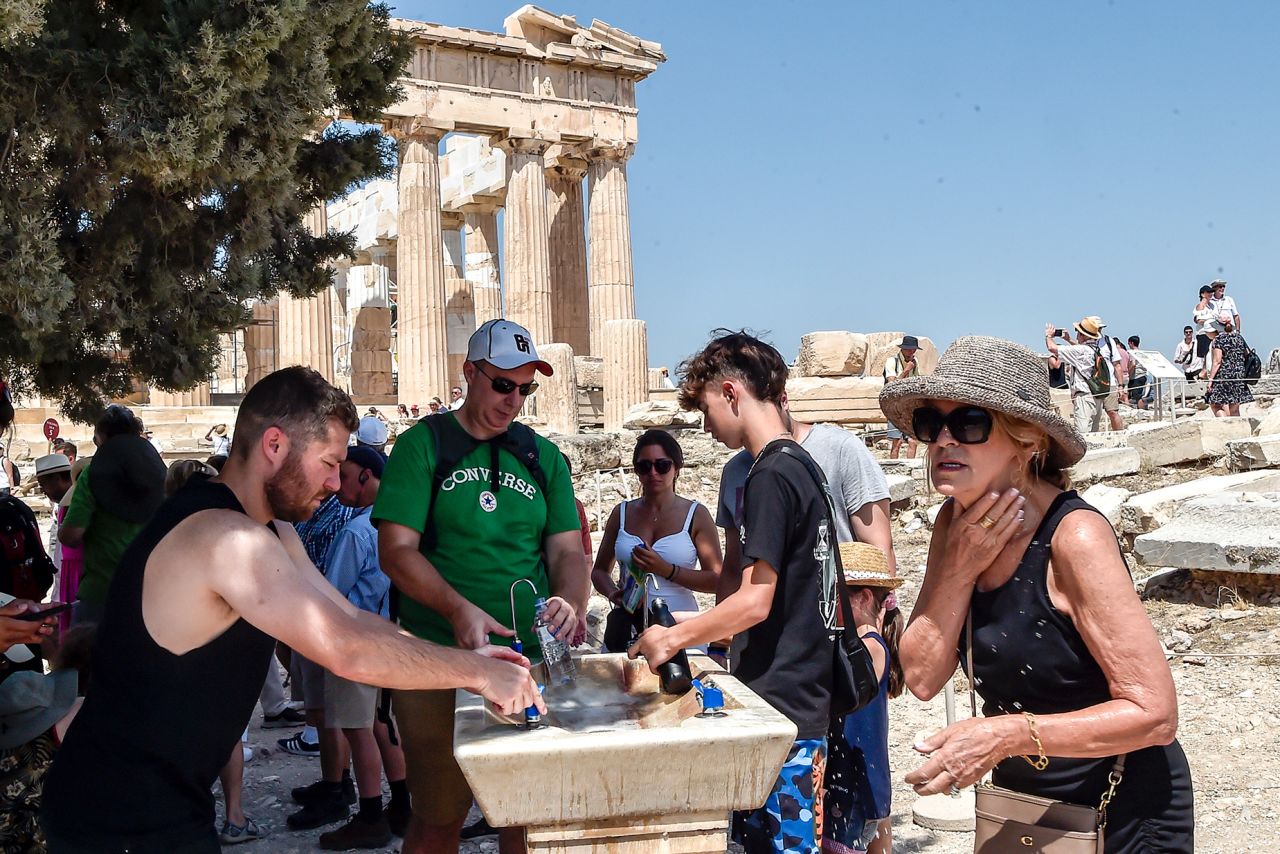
487, 530
103, 528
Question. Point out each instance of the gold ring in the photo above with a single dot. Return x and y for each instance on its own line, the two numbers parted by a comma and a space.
987, 522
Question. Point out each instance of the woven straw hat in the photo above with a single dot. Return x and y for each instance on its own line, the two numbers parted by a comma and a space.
866, 566
997, 375
1090, 327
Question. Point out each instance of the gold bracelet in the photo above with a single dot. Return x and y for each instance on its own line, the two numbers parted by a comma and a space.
1041, 762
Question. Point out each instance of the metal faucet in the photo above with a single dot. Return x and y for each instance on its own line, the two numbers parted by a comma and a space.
511, 600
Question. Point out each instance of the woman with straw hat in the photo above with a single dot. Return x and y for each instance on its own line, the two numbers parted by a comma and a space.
857, 786
1064, 657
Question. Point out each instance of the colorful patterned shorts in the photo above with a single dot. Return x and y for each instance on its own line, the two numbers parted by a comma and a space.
790, 822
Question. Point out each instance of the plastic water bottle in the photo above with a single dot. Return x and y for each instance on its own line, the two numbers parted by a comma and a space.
555, 652
674, 676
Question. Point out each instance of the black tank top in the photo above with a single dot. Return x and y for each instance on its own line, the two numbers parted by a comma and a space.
1029, 656
137, 765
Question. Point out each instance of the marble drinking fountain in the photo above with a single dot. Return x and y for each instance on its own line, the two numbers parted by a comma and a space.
619, 767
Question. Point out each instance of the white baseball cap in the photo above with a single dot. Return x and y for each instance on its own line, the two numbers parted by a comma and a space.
505, 345
372, 431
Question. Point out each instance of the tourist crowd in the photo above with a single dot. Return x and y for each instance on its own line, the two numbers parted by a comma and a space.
380, 584
1103, 372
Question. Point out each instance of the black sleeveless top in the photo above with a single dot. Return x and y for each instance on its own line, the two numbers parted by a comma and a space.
1029, 656
137, 765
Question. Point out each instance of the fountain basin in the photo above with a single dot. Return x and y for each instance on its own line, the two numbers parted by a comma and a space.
615, 751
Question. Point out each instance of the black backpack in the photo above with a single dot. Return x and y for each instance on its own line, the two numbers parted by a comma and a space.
1252, 364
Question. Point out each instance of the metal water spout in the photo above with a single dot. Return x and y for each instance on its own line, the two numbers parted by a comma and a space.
516, 643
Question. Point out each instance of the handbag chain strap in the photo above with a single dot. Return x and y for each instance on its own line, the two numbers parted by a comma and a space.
1117, 770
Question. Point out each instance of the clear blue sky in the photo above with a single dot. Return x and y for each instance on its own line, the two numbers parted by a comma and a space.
946, 168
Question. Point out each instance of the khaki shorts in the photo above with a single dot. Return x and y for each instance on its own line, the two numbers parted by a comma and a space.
311, 677
347, 704
440, 792
1111, 403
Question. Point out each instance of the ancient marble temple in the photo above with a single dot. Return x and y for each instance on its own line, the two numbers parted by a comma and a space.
494, 128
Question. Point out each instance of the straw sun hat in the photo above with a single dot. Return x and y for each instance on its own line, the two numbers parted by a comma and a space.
996, 375
866, 566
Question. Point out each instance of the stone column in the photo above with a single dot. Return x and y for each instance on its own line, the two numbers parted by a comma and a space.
527, 291
626, 369
609, 224
198, 396
368, 287
460, 308
260, 343
305, 326
570, 317
482, 265
558, 394
420, 281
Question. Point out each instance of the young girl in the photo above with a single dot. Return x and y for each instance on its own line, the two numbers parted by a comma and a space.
857, 786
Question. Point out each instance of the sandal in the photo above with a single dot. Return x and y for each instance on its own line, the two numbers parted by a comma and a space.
233, 834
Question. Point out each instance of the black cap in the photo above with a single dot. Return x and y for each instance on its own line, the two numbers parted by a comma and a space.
910, 342
367, 458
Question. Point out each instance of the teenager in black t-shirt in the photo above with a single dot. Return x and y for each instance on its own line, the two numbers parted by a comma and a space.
785, 606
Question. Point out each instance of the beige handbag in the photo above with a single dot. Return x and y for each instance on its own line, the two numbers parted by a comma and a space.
1009, 821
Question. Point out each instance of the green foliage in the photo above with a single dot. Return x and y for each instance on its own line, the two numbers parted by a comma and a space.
157, 161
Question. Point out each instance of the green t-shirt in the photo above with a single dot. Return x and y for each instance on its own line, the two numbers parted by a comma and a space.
106, 536
484, 542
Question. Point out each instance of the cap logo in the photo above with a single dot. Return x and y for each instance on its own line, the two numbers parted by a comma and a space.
1024, 394
522, 343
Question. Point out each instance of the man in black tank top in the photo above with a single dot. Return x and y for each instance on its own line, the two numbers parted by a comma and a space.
191, 619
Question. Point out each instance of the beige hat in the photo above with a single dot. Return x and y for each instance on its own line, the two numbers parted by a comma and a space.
1090, 327
866, 566
220, 430
994, 374
52, 464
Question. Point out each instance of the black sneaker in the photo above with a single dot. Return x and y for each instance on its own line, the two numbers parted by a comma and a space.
398, 819
318, 813
288, 718
294, 744
477, 830
309, 794
358, 833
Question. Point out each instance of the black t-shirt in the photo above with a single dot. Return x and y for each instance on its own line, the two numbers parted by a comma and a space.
787, 658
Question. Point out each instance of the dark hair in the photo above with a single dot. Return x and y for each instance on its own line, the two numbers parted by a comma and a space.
1205, 289
891, 630
216, 462
1135, 341
117, 420
736, 355
1188, 329
662, 439
180, 472
297, 400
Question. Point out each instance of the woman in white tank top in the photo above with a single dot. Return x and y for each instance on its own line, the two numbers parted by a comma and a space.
671, 540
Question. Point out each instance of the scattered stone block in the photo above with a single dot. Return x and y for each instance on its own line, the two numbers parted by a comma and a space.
1148, 511
1107, 500
837, 400
1161, 444
1215, 434
1099, 463
1270, 424
832, 354
1261, 451
659, 413
590, 371
1108, 439
902, 487
1232, 533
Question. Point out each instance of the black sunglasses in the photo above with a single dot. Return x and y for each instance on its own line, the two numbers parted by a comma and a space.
663, 465
502, 385
968, 425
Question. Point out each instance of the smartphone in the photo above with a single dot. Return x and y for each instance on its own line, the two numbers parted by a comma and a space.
1059, 333
53, 611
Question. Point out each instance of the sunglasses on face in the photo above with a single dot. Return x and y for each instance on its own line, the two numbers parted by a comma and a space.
968, 425
662, 465
504, 386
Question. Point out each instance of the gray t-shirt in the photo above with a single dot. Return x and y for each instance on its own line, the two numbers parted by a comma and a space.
854, 476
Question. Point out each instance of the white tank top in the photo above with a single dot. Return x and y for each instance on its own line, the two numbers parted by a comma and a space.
676, 549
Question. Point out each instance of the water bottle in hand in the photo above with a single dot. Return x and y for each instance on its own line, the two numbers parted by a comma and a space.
555, 652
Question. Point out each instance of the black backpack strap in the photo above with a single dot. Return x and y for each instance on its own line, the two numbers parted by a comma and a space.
522, 442
451, 444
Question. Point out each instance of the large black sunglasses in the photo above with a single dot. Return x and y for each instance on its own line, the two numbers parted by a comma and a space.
662, 464
968, 425
502, 385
